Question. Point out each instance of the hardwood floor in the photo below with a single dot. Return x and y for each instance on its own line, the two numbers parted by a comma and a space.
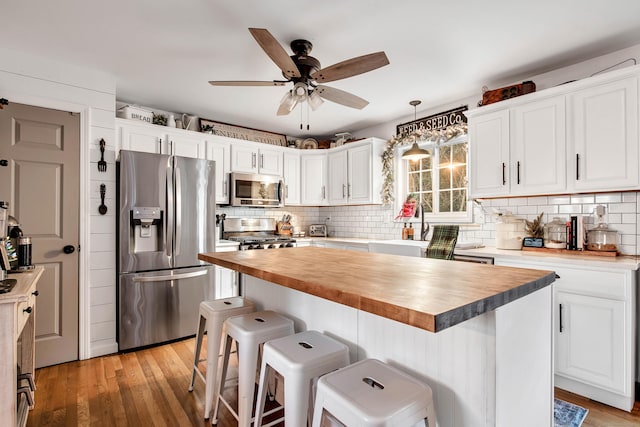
149, 387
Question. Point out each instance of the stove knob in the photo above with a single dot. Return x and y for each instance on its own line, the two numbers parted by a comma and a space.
258, 247
288, 245
271, 246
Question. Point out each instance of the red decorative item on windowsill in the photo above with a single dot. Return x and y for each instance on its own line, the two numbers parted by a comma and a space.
408, 207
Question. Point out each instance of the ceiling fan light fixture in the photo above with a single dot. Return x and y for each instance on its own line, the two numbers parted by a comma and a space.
287, 103
315, 100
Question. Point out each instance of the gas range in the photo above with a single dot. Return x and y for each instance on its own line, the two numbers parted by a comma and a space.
255, 233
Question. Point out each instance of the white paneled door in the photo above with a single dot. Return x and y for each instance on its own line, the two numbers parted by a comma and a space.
41, 183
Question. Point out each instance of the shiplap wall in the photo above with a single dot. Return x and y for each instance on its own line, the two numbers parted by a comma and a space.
37, 81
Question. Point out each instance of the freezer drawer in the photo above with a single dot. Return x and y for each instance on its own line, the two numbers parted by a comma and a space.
160, 306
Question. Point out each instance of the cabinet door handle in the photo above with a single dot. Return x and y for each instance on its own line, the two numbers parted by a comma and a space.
35, 293
504, 178
28, 310
171, 147
349, 190
261, 160
160, 145
343, 191
323, 192
224, 187
253, 160
561, 325
518, 172
286, 190
577, 166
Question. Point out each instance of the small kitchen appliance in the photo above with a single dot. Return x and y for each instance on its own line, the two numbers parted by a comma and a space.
317, 230
256, 190
255, 233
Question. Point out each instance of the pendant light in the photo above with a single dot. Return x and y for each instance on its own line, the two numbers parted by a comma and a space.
415, 152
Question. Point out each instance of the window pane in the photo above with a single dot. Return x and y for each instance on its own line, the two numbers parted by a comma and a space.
413, 182
427, 202
413, 166
459, 200
445, 155
426, 163
426, 181
445, 178
445, 201
459, 177
459, 153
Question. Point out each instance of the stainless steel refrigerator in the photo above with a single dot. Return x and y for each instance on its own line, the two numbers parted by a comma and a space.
166, 217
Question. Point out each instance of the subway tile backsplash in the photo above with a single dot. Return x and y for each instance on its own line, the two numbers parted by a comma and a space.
377, 222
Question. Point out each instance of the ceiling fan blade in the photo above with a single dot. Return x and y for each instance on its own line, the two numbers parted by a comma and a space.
276, 52
351, 67
341, 97
245, 83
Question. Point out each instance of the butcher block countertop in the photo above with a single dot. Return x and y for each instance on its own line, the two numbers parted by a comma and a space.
426, 293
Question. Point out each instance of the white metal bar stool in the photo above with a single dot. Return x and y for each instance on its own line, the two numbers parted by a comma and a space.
299, 358
372, 393
213, 313
249, 331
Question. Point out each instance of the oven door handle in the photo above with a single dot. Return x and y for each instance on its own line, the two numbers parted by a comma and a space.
171, 276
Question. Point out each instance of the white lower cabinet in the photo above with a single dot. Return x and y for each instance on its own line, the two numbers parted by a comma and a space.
594, 327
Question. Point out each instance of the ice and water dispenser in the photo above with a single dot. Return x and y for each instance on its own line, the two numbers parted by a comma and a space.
146, 229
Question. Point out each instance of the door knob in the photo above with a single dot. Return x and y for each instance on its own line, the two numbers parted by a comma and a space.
69, 249
4, 162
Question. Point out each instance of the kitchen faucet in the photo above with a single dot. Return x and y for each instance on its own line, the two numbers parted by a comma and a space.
424, 225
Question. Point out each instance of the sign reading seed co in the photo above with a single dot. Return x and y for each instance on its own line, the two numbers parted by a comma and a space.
434, 122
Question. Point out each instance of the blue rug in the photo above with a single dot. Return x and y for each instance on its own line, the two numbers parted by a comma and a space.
567, 414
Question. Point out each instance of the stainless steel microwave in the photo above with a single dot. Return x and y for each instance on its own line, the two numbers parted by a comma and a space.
255, 190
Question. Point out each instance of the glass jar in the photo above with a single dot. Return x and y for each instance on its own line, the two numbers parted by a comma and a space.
602, 238
555, 234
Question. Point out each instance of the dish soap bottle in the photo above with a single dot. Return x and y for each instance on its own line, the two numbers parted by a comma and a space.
410, 232
405, 232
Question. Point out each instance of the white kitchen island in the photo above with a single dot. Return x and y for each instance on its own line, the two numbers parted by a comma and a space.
479, 335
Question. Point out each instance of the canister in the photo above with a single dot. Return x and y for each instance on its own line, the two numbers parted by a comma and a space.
24, 252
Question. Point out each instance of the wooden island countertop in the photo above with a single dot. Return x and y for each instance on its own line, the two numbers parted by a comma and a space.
425, 293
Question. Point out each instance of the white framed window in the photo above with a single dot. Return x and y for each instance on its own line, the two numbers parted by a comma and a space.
440, 181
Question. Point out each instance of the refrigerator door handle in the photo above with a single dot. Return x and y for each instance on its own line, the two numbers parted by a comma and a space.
171, 276
170, 209
178, 209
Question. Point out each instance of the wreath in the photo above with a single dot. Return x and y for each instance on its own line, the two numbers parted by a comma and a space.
436, 136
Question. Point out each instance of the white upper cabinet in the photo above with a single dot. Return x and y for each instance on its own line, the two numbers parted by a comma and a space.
185, 145
603, 137
355, 173
578, 137
538, 147
219, 150
489, 154
291, 177
157, 139
250, 157
140, 137
313, 177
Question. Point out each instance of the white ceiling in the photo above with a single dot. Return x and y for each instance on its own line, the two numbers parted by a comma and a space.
164, 53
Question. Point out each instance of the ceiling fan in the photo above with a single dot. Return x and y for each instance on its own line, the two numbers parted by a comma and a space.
305, 73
